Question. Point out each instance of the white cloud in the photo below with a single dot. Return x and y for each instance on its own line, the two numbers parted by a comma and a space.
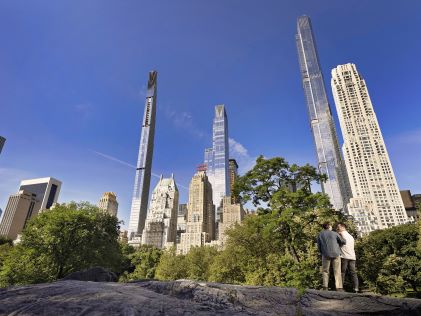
184, 121
238, 152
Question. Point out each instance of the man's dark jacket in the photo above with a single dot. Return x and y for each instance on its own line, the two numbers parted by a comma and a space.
329, 243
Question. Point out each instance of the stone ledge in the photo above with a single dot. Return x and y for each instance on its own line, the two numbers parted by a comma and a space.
184, 297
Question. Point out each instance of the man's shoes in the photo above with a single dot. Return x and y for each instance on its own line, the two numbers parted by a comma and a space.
356, 291
325, 289
339, 290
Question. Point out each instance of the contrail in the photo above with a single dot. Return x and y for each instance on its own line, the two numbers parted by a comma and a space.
130, 165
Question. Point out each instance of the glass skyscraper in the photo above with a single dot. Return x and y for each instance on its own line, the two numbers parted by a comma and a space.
217, 157
330, 161
142, 182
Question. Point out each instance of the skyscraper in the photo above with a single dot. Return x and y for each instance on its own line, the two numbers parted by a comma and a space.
181, 221
144, 163
200, 226
233, 169
216, 158
2, 141
329, 158
109, 203
376, 201
161, 222
21, 207
232, 213
46, 190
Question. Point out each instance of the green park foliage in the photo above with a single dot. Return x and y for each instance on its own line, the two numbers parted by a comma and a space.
389, 261
57, 242
274, 247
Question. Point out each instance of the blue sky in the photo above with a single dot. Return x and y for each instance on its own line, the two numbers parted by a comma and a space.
73, 76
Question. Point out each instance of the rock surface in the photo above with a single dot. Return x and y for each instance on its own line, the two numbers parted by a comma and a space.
95, 274
183, 297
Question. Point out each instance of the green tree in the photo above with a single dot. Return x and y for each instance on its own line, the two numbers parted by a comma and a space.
66, 239
199, 260
277, 247
171, 266
5, 240
389, 261
145, 260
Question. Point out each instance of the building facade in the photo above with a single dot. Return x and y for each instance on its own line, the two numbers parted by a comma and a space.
233, 171
410, 205
161, 222
21, 207
200, 225
109, 203
376, 202
2, 141
142, 182
216, 159
46, 190
232, 213
181, 221
329, 158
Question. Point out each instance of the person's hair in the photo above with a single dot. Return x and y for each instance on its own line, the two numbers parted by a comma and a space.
326, 225
342, 224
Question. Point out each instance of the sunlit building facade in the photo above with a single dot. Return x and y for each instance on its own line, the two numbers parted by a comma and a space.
161, 222
329, 158
376, 202
200, 225
109, 203
20, 208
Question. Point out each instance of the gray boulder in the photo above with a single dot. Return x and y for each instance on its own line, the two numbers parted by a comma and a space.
183, 297
95, 274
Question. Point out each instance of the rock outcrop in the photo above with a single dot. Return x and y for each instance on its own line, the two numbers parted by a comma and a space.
183, 297
95, 274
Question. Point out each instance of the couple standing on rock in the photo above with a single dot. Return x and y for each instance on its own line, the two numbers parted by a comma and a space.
337, 249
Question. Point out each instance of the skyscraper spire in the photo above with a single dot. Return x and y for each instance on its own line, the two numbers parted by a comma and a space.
216, 158
329, 158
144, 162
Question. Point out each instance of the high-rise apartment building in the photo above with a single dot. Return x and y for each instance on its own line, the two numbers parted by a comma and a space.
21, 207
144, 163
46, 190
232, 213
2, 141
410, 205
109, 203
216, 158
329, 158
200, 226
233, 171
181, 221
376, 202
161, 222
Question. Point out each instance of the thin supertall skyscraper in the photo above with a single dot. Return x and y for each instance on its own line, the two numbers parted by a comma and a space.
144, 162
217, 157
376, 201
329, 158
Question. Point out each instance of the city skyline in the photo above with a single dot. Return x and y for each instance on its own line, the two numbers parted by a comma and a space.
101, 97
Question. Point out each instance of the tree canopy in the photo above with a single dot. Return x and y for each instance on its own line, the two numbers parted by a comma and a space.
57, 242
389, 261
